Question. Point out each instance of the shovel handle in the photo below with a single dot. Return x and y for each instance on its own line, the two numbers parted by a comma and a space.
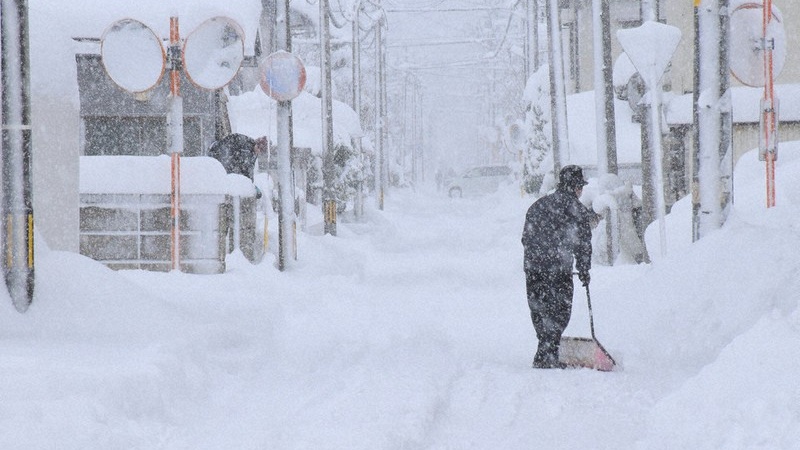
591, 316
589, 302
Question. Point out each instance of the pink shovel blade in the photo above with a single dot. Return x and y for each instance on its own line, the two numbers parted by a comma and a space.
585, 352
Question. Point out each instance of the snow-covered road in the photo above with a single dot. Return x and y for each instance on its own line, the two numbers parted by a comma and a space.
409, 330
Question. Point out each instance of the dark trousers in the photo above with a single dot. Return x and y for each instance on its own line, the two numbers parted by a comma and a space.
550, 302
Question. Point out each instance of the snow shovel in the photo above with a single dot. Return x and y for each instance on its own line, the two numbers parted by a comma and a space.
585, 352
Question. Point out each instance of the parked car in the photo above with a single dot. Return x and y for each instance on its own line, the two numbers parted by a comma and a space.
480, 180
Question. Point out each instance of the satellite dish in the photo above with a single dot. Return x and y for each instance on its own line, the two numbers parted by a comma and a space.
132, 55
213, 53
747, 54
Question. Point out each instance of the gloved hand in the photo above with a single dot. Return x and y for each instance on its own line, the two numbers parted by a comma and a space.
584, 277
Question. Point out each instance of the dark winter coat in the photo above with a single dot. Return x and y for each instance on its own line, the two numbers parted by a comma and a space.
558, 233
236, 152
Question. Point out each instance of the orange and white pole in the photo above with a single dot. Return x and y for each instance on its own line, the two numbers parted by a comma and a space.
769, 110
176, 138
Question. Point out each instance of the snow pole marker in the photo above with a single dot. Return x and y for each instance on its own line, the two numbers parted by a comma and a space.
759, 57
769, 105
176, 140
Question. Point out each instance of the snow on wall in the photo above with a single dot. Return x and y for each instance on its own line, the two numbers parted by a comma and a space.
152, 175
253, 114
746, 105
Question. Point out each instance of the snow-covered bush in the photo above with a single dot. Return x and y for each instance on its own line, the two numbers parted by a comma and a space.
537, 145
350, 172
538, 133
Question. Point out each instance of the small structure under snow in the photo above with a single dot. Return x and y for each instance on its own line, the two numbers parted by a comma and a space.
125, 212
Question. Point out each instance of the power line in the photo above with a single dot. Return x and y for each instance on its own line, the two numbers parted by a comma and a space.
448, 64
427, 10
456, 42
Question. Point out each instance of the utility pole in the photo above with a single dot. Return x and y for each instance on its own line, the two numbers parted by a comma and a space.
384, 107
726, 114
416, 133
712, 172
17, 192
604, 89
379, 114
535, 11
286, 219
328, 163
648, 130
268, 30
404, 146
358, 205
414, 136
604, 108
558, 97
421, 135
531, 38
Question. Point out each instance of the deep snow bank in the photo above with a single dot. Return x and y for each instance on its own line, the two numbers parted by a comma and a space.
728, 306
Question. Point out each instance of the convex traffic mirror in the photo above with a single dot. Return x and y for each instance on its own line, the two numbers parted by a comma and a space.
132, 55
135, 59
213, 53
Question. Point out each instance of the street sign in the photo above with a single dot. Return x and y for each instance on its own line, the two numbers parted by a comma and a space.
284, 76
748, 43
213, 53
132, 55
650, 47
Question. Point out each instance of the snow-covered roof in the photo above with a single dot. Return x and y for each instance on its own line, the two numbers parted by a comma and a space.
152, 175
253, 114
746, 105
94, 16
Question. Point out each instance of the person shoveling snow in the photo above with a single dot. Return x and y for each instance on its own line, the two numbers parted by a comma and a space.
557, 234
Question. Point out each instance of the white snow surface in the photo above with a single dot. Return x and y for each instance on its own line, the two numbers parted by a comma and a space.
411, 330
152, 175
253, 114
745, 104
